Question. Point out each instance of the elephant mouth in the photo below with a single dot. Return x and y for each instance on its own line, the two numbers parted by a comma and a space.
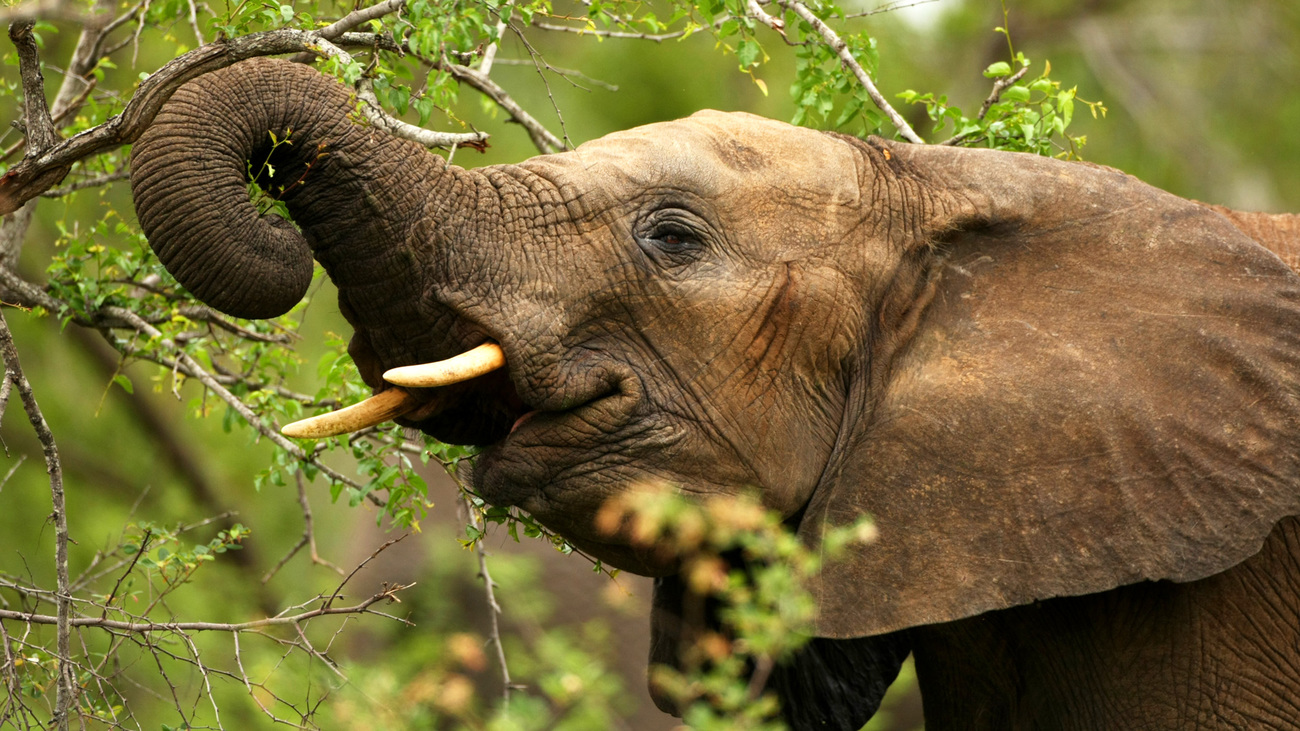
470, 399
405, 402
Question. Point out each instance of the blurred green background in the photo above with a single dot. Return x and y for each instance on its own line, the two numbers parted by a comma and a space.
1204, 101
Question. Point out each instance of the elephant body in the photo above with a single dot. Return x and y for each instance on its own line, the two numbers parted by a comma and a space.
1070, 401
1219, 653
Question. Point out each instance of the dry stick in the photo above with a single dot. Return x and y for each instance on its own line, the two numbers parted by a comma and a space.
538, 63
370, 105
66, 686
841, 49
329, 601
21, 458
494, 609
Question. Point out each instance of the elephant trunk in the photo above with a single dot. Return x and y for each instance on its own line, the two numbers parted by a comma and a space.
295, 133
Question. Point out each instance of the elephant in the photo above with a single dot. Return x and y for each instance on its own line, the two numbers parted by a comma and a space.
1069, 400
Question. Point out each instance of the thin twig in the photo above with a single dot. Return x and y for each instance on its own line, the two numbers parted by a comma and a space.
329, 600
66, 685
308, 537
19, 463
888, 8
599, 33
494, 609
999, 86
87, 183
389, 593
490, 53
197, 371
542, 138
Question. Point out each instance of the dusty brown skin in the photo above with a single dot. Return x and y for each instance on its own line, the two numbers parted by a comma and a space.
1044, 380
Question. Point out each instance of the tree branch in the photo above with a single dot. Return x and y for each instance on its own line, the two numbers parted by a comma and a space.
39, 128
588, 31
389, 593
66, 685
489, 587
999, 86
541, 137
195, 370
841, 49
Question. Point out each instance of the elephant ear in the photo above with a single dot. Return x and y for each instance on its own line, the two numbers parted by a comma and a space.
1092, 383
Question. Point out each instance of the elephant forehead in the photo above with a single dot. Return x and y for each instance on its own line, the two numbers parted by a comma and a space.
713, 154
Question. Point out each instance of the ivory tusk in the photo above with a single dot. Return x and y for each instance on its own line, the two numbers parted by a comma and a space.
470, 364
375, 410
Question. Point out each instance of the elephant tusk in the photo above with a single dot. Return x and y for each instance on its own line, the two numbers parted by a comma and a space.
470, 364
377, 409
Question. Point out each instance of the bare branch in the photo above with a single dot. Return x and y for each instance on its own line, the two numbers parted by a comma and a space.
775, 24
490, 53
338, 592
66, 685
589, 31
489, 587
308, 536
389, 593
87, 183
888, 8
841, 49
541, 137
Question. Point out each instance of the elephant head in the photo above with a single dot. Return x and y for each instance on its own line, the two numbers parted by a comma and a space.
1041, 378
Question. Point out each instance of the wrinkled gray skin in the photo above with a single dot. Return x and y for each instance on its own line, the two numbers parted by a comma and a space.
1068, 399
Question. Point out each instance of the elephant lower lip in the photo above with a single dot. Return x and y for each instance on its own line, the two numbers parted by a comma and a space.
520, 421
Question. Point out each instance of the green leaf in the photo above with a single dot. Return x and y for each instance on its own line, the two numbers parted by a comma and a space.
747, 53
121, 380
1016, 93
998, 70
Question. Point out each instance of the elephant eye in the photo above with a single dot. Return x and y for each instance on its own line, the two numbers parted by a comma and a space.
671, 237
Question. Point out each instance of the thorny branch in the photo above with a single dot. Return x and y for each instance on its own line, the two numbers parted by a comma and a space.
66, 684
388, 594
489, 590
307, 539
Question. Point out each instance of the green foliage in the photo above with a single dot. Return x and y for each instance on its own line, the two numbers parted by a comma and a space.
1032, 117
733, 551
